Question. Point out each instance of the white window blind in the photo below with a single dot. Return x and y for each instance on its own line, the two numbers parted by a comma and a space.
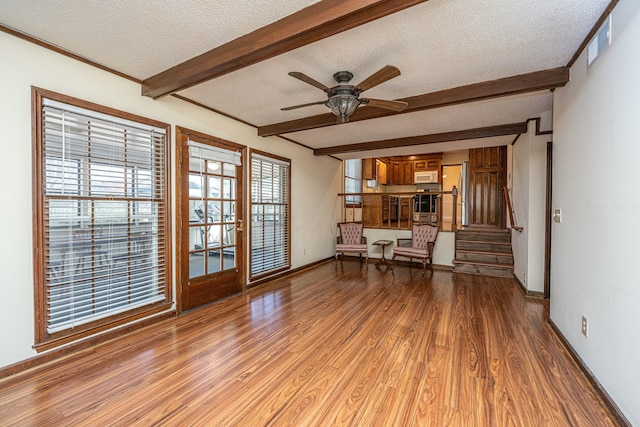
353, 180
270, 236
216, 154
104, 216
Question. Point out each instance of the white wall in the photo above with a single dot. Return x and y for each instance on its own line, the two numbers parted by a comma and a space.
595, 250
315, 180
528, 193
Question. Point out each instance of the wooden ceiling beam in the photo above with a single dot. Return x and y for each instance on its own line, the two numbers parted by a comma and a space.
514, 85
485, 132
313, 23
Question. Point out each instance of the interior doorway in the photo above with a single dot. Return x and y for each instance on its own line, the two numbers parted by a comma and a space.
451, 177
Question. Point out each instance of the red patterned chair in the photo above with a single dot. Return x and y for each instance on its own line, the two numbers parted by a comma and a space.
419, 246
351, 240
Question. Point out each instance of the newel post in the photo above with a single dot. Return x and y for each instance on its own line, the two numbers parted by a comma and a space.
454, 220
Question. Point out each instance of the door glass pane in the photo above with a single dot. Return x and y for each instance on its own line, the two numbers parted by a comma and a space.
213, 167
196, 238
214, 187
214, 211
213, 236
229, 190
229, 169
229, 234
195, 186
196, 264
195, 213
229, 261
229, 210
213, 265
196, 165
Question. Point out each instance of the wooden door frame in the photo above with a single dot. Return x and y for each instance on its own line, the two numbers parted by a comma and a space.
547, 222
182, 156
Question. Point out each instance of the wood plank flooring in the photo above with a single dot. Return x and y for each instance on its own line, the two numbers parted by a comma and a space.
335, 345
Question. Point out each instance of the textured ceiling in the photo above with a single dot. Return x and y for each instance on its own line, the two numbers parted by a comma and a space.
439, 44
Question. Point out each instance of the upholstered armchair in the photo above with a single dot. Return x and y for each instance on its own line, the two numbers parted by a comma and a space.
419, 246
351, 240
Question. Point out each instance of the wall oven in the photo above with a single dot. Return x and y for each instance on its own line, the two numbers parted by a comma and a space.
424, 208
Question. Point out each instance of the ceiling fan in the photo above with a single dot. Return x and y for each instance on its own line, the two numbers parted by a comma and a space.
343, 99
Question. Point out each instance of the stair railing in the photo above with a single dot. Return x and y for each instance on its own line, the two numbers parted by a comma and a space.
510, 209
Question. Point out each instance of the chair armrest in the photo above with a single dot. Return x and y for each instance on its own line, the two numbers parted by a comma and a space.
404, 242
339, 239
363, 239
430, 246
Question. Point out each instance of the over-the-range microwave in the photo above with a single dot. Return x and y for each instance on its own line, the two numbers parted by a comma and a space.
427, 177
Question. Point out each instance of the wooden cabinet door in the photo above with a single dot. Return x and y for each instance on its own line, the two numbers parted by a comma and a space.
368, 168
395, 174
382, 172
407, 173
487, 177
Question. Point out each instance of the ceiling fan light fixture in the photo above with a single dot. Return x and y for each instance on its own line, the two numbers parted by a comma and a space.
343, 105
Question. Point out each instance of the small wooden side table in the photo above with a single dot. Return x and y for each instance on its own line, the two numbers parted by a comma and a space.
383, 244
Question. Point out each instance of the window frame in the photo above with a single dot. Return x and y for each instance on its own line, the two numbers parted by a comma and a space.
253, 278
352, 201
45, 340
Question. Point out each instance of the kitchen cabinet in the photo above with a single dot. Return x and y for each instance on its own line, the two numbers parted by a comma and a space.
401, 173
407, 173
372, 211
382, 172
369, 168
426, 165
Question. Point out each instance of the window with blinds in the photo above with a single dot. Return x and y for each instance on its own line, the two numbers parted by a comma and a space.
353, 180
104, 218
270, 234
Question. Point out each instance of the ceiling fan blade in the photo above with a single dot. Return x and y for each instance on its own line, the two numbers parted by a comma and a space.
302, 105
387, 105
309, 80
385, 73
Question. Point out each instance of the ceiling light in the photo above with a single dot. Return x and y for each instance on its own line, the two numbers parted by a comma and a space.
343, 105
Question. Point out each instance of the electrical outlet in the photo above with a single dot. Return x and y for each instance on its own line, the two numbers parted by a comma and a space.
525, 278
585, 327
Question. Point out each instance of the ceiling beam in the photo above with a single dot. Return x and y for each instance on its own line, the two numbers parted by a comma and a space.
313, 23
514, 85
485, 132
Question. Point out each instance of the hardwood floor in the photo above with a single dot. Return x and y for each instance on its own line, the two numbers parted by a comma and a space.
330, 346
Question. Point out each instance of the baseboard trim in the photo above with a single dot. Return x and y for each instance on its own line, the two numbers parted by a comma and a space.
42, 359
282, 274
528, 293
616, 413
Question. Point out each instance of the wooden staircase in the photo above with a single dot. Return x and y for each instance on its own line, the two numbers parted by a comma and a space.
484, 252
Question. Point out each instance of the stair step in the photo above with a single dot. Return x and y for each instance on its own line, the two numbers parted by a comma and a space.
483, 269
484, 235
485, 257
481, 246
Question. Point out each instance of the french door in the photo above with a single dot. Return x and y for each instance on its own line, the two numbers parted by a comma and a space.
211, 234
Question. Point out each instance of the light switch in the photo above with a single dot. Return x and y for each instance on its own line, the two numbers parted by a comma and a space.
557, 215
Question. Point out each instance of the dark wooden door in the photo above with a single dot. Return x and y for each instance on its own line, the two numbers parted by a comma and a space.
211, 256
487, 177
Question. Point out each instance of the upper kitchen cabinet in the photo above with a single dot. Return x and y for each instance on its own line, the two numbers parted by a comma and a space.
369, 169
382, 172
375, 169
402, 169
